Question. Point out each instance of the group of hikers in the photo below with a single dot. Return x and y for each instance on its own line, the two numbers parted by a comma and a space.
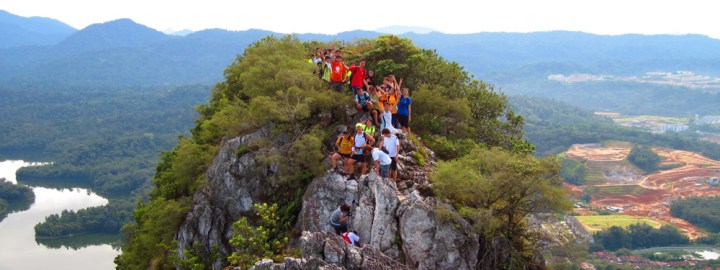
387, 105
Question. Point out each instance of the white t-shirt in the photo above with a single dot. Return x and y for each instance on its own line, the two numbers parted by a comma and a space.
359, 141
378, 154
387, 122
391, 144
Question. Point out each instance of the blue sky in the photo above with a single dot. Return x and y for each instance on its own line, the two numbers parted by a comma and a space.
450, 16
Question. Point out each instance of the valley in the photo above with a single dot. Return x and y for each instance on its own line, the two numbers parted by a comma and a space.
614, 182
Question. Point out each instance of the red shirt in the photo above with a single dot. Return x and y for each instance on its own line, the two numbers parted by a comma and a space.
338, 70
358, 75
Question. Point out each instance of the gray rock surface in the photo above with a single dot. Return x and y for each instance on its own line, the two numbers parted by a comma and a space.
388, 221
233, 184
398, 228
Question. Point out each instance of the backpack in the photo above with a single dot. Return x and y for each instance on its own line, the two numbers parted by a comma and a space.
384, 150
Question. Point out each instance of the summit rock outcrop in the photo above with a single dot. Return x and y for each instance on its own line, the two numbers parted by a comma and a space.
396, 226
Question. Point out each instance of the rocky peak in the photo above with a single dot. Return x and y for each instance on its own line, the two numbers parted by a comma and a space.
396, 223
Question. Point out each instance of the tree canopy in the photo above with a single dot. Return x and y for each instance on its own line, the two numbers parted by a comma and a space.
497, 190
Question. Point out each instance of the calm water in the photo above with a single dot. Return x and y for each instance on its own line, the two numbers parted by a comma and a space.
18, 249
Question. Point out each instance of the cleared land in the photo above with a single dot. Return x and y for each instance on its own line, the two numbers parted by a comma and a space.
615, 182
597, 222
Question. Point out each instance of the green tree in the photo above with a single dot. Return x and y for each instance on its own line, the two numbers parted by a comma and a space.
572, 171
497, 190
253, 243
644, 158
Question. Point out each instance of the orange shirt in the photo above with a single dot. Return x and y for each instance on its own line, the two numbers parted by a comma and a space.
390, 99
338, 70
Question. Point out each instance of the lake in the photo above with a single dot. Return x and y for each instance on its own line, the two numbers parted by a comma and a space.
18, 249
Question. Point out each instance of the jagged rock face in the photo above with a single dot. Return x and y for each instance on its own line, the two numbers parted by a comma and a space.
389, 222
233, 184
398, 229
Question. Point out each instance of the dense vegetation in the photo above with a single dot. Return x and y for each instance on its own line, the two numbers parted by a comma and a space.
497, 190
638, 236
108, 219
572, 171
644, 158
13, 197
104, 139
281, 93
701, 211
554, 126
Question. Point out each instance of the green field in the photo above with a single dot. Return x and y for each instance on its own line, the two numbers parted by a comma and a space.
596, 222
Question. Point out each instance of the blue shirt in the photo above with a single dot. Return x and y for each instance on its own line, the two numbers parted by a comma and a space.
404, 106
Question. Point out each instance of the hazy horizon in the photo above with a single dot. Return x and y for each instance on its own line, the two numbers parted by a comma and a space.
611, 17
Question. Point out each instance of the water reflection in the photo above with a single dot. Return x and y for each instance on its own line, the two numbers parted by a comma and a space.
81, 241
18, 247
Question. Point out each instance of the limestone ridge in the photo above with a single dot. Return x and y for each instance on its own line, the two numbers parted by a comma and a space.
234, 184
397, 227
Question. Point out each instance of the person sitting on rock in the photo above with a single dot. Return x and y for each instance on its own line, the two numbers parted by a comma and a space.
362, 101
344, 153
351, 237
369, 127
361, 139
339, 218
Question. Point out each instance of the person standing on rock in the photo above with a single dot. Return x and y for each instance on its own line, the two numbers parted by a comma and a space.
382, 161
404, 109
392, 145
339, 218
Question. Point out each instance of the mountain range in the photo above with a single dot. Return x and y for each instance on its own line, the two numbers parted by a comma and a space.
125, 53
21, 31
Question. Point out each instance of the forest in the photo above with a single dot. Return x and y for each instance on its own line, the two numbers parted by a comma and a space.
105, 139
644, 158
554, 126
703, 212
14, 197
637, 236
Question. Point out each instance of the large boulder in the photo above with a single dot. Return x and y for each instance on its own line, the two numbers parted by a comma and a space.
234, 182
388, 221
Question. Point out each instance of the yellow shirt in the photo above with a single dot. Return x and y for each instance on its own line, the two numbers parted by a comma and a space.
345, 144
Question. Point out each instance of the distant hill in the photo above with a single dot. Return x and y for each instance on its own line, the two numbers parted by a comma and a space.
492, 55
34, 31
124, 53
122, 33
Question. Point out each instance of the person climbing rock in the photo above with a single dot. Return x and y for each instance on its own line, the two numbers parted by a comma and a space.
382, 161
391, 143
351, 238
339, 218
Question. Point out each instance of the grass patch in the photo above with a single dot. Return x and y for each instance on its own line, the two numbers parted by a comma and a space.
597, 223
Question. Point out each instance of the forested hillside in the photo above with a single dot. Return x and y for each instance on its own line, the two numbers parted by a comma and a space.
281, 95
554, 126
34, 31
105, 139
14, 198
